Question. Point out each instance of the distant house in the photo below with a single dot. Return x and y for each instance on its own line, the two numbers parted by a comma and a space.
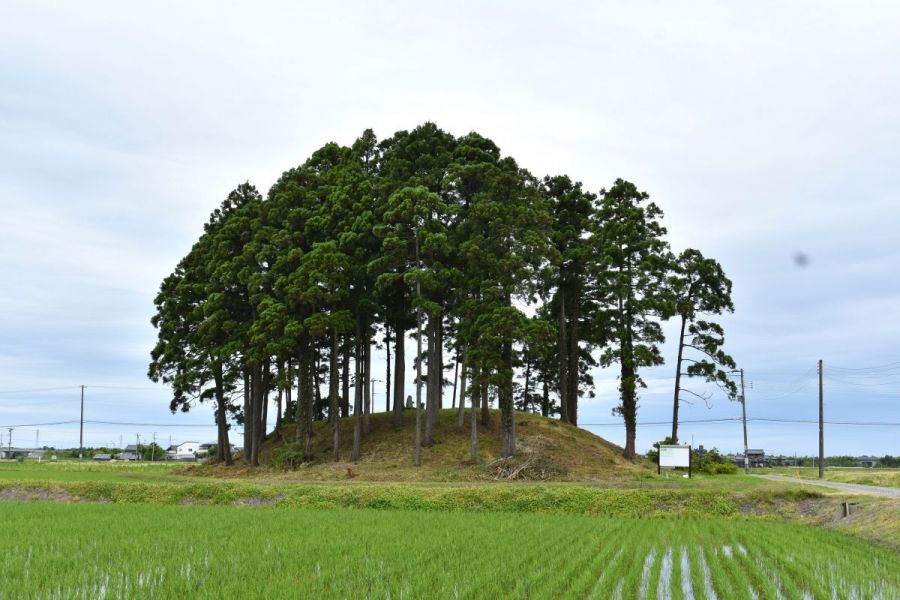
103, 457
755, 457
868, 461
126, 455
14, 452
209, 446
183, 451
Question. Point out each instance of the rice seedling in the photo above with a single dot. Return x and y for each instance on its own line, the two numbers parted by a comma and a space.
55, 550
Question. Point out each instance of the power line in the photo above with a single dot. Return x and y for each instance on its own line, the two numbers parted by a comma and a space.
113, 423
738, 419
152, 424
35, 390
887, 367
124, 387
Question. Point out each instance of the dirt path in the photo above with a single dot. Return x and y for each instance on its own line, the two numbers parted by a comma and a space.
855, 488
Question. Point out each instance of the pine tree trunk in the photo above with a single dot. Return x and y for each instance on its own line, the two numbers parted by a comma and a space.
304, 398
455, 379
430, 391
367, 383
526, 395
280, 397
399, 376
256, 386
461, 418
563, 359
289, 410
628, 386
333, 398
476, 392
248, 416
357, 398
507, 403
387, 375
573, 372
264, 412
223, 452
545, 403
439, 376
678, 381
485, 405
318, 411
345, 395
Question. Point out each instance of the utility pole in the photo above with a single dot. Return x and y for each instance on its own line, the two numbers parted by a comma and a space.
137, 445
744, 413
821, 424
153, 448
10, 442
81, 428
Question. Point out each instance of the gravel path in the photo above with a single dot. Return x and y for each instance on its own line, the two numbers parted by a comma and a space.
844, 487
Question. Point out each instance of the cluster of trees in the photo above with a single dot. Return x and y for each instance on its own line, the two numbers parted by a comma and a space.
518, 284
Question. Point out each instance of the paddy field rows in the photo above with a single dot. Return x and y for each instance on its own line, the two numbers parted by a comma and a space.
88, 550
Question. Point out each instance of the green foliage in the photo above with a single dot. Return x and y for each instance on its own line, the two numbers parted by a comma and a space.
152, 451
360, 237
713, 463
725, 468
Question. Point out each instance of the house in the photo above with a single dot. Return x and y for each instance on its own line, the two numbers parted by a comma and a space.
103, 457
126, 455
183, 451
868, 461
13, 453
755, 458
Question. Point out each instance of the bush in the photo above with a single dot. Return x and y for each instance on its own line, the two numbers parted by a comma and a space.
289, 455
724, 468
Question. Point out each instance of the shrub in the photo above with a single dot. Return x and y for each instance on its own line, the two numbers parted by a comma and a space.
723, 468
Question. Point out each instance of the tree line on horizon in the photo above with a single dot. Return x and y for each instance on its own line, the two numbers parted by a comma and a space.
519, 284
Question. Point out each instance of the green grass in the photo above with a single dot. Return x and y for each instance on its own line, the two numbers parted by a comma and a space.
92, 550
89, 471
879, 477
525, 498
555, 450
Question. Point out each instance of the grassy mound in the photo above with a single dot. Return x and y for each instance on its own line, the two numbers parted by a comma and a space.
547, 451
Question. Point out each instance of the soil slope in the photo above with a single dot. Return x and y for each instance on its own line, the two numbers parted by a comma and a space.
547, 450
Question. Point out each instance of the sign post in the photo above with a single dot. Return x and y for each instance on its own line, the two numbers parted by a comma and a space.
671, 456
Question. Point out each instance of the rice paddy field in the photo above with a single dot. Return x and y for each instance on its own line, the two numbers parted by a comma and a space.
89, 550
879, 477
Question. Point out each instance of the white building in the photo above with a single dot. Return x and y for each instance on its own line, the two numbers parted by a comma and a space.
183, 451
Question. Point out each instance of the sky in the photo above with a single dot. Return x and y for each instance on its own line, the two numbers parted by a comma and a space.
768, 132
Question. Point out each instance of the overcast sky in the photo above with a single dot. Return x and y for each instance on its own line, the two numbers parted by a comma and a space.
764, 131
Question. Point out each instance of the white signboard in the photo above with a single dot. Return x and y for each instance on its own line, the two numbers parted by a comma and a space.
674, 456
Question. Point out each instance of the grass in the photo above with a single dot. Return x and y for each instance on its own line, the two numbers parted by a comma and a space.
553, 450
876, 476
102, 551
89, 471
521, 498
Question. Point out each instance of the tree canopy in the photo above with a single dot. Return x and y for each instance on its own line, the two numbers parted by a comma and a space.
424, 233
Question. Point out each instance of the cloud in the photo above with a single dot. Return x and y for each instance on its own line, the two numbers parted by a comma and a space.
760, 129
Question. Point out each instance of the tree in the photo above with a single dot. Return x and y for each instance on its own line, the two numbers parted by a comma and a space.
152, 451
699, 287
629, 279
571, 209
442, 234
